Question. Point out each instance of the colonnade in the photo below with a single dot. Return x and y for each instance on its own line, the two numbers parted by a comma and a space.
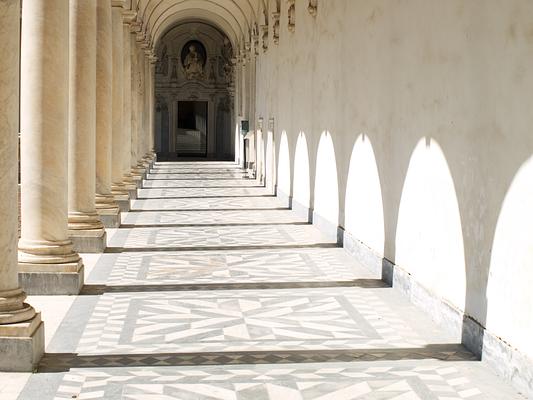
86, 128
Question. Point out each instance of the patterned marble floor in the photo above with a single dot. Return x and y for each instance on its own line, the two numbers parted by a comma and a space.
211, 289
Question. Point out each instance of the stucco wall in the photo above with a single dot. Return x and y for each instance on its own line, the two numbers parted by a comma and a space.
429, 105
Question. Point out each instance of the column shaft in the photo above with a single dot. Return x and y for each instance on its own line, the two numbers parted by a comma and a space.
106, 205
146, 108
46, 258
119, 190
21, 329
151, 109
126, 107
85, 228
136, 172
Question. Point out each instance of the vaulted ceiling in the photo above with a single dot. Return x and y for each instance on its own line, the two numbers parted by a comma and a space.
234, 17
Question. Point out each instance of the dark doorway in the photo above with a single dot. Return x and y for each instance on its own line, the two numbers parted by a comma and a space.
191, 140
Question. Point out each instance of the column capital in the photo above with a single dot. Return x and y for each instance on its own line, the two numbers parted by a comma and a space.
118, 3
129, 17
136, 26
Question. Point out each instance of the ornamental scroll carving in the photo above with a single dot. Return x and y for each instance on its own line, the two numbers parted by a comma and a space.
275, 26
313, 7
292, 16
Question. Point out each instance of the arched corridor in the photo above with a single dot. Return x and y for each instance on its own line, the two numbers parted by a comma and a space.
266, 199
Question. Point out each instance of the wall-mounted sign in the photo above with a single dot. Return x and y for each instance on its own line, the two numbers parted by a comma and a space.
245, 127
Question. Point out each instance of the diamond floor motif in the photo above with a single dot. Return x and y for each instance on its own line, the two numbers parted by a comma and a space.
214, 289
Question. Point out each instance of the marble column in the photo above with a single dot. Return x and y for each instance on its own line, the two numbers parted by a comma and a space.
173, 118
128, 180
136, 173
146, 110
106, 206
47, 262
151, 110
21, 329
119, 189
141, 162
85, 228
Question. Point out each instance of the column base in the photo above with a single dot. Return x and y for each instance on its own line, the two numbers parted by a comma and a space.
140, 171
110, 218
123, 205
51, 279
21, 345
86, 232
88, 241
108, 210
121, 196
130, 185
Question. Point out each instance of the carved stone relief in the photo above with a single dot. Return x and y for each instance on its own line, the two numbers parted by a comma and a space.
255, 38
292, 16
264, 28
275, 26
313, 7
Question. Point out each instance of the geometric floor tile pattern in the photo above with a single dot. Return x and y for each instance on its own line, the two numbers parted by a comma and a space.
214, 289
198, 237
229, 266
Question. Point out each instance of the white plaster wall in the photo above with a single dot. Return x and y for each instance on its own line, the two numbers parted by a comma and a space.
454, 73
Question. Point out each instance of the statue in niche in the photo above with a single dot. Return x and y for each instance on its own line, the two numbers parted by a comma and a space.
193, 58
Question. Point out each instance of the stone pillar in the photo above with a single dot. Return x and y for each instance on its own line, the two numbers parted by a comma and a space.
85, 228
119, 190
139, 81
136, 173
151, 109
21, 329
106, 206
173, 118
128, 180
146, 110
47, 261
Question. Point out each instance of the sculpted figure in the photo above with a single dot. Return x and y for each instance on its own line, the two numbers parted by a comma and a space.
193, 64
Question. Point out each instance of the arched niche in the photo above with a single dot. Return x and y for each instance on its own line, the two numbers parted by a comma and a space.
429, 238
195, 77
301, 185
364, 219
509, 295
326, 194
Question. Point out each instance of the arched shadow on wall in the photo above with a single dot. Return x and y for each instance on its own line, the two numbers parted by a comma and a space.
364, 219
284, 168
510, 279
260, 167
429, 235
326, 191
301, 182
270, 162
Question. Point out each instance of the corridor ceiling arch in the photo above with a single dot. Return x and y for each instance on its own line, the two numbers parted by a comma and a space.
234, 17
191, 15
